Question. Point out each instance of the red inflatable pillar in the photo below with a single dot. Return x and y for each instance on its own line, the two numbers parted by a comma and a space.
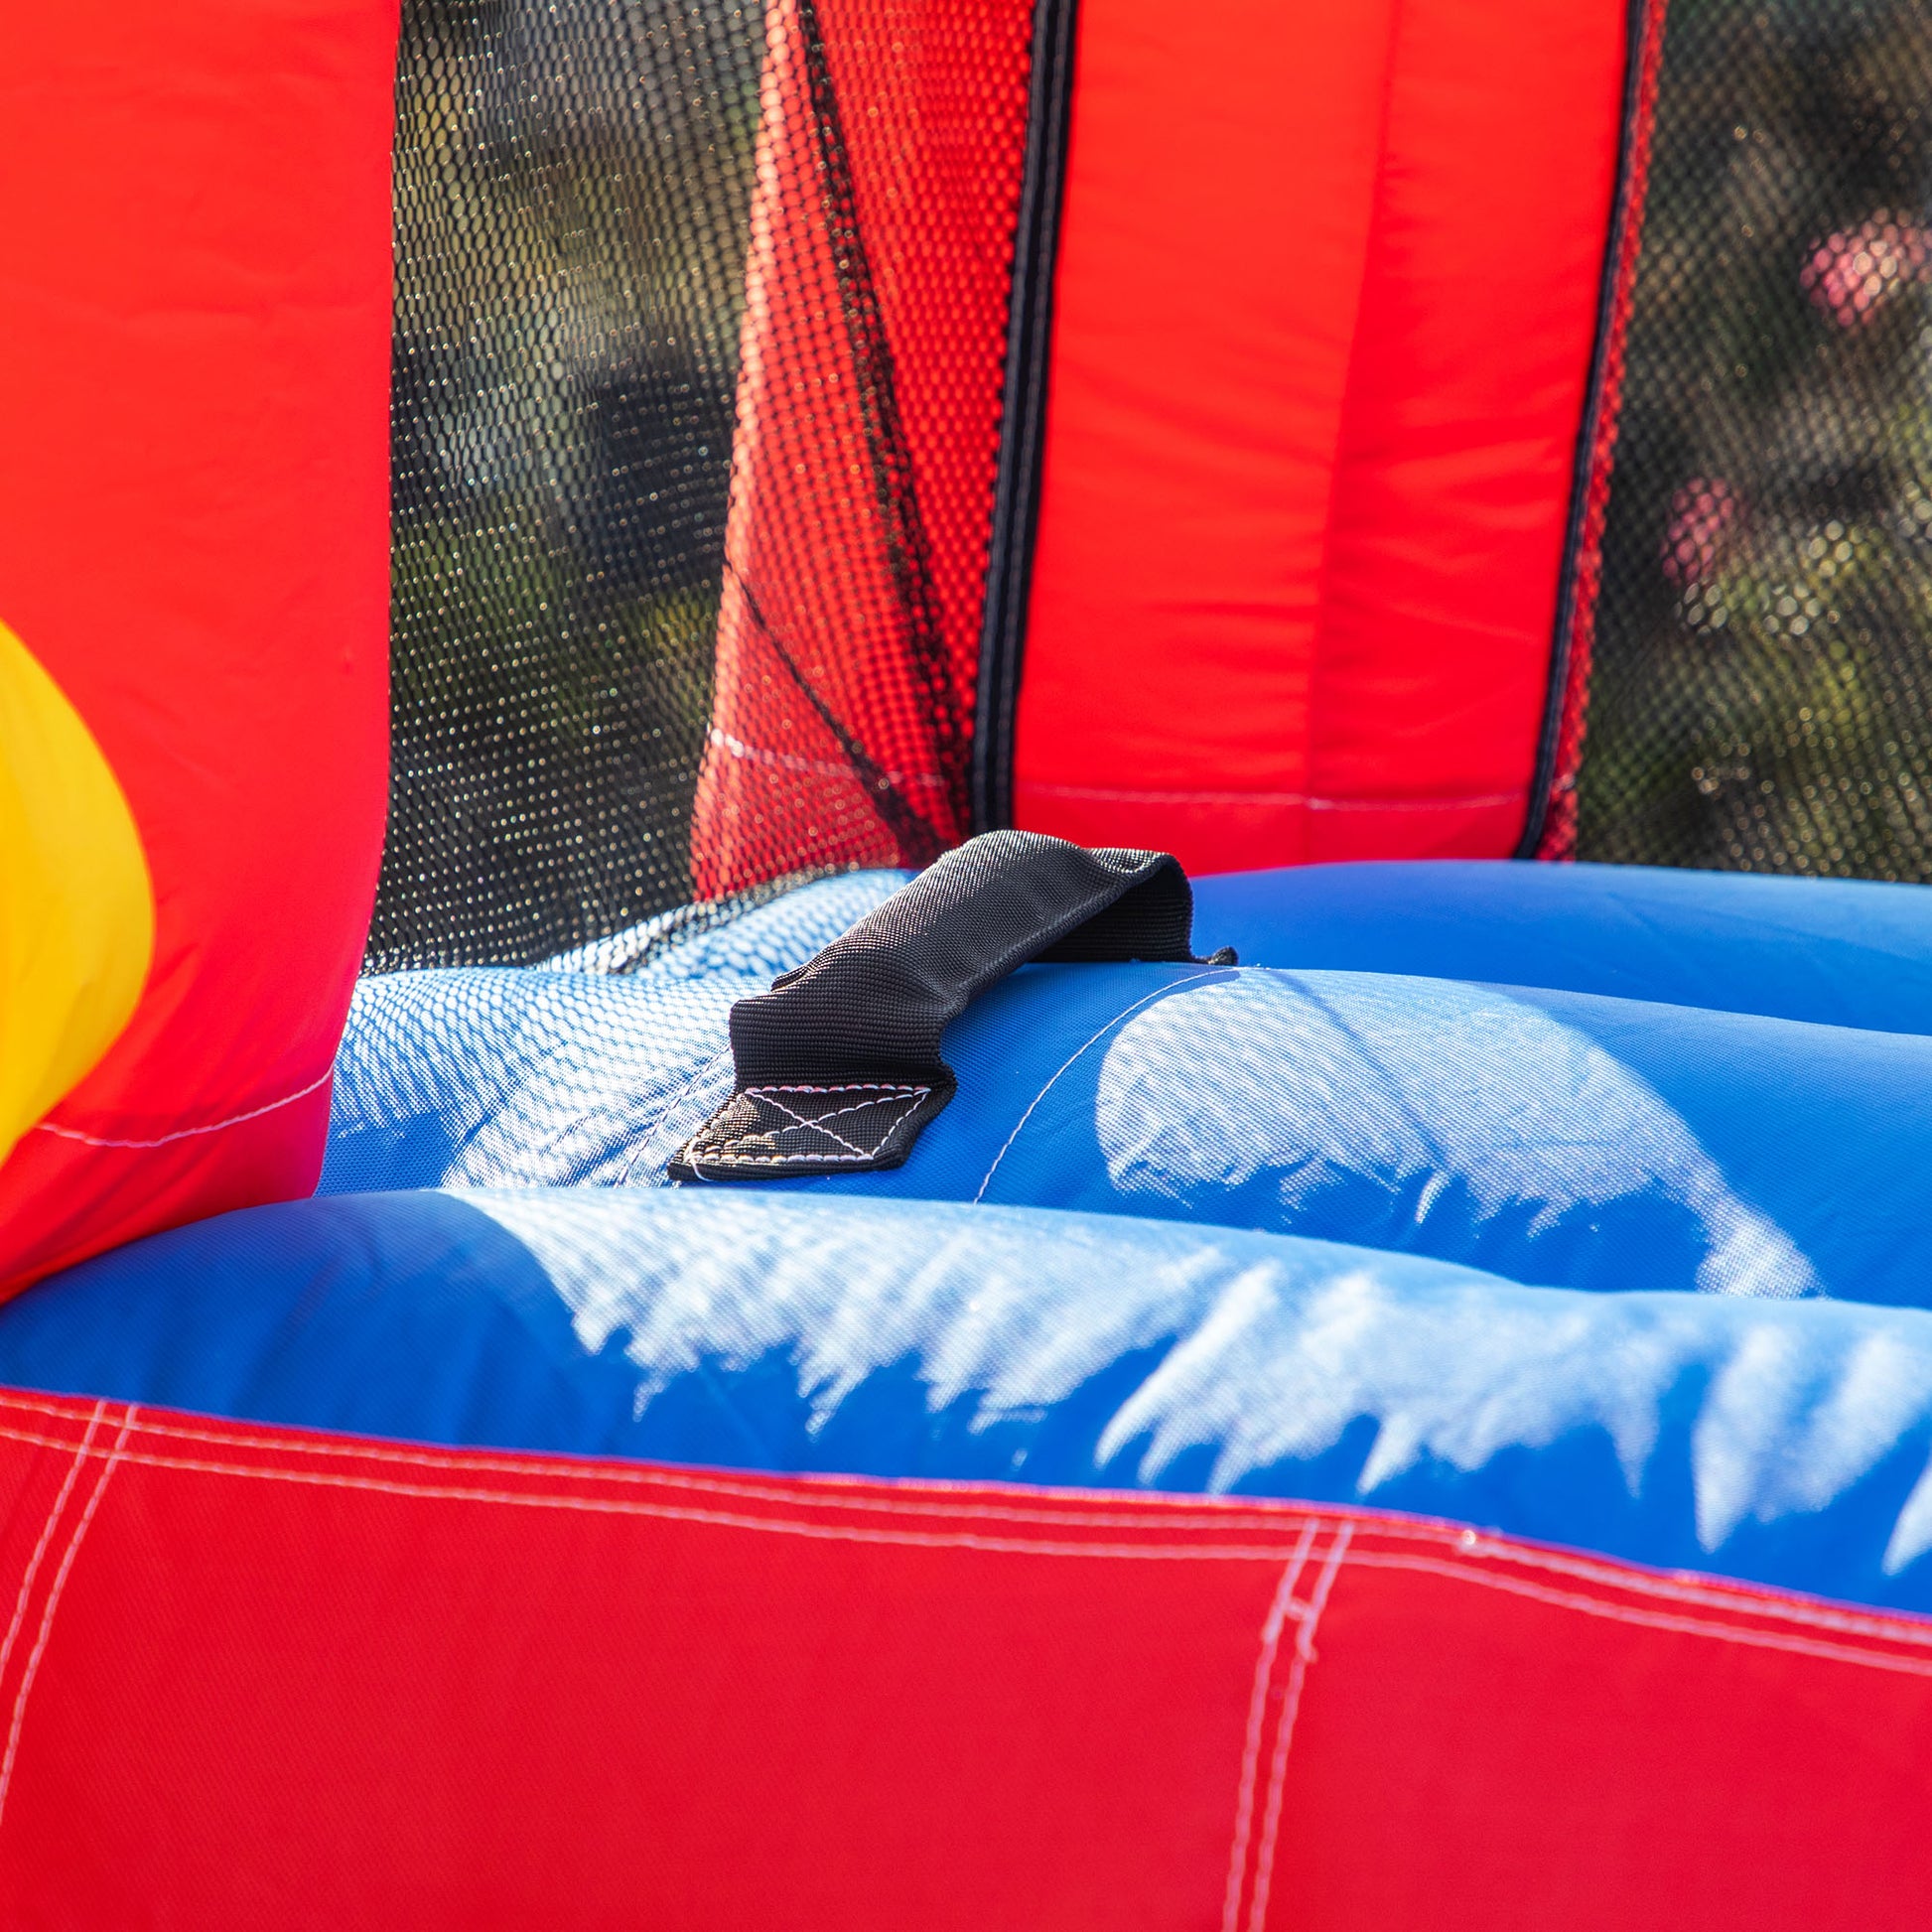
1328, 290
194, 292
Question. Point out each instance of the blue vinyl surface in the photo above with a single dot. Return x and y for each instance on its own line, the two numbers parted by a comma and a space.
1845, 952
1585, 1205
1556, 1138
1786, 1442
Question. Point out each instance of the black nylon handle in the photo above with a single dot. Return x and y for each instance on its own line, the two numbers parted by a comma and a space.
839, 1066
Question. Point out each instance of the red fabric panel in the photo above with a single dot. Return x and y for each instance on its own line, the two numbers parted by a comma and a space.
1320, 361
871, 367
194, 540
250, 1677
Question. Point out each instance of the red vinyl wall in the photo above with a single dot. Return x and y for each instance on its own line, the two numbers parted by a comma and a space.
1327, 292
252, 1678
195, 271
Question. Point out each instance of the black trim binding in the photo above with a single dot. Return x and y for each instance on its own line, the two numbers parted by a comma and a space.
1625, 210
1023, 422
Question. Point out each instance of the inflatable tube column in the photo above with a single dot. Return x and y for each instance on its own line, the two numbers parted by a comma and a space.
195, 285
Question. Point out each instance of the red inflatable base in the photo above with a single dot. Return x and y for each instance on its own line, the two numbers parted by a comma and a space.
253, 1677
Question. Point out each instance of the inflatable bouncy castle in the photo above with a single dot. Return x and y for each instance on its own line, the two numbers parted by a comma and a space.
904, 1019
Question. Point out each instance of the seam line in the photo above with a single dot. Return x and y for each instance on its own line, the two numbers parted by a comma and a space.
1284, 1726
1717, 1596
1174, 986
1279, 1612
47, 1536
1313, 802
53, 1604
189, 1132
1751, 1637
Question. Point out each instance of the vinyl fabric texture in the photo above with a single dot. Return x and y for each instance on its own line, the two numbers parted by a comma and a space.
1556, 1138
1785, 1444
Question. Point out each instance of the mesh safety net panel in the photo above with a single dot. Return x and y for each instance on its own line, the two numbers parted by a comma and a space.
699, 349
1761, 675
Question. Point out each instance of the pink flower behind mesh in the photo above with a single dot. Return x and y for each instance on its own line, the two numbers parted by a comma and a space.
1851, 273
1704, 516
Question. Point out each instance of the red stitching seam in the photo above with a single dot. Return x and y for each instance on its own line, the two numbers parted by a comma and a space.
1759, 1639
812, 1491
712, 1518
1210, 1511
1462, 801
960, 1497
189, 1132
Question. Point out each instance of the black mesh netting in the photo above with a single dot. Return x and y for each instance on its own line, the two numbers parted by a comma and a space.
699, 345
572, 184
1761, 692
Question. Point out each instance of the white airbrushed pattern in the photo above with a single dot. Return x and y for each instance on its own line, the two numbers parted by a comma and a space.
1271, 1347
1410, 1085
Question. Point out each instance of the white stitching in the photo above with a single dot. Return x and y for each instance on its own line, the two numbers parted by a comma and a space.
854, 1086
882, 1099
792, 1114
189, 1132
1650, 1619
1279, 1612
669, 1113
1444, 802
1725, 1591
1720, 1596
728, 1152
815, 1491
817, 1121
53, 1604
729, 1157
712, 1518
1879, 1627
1170, 987
47, 1536
1284, 1726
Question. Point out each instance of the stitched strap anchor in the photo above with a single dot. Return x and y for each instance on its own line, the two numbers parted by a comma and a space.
838, 1066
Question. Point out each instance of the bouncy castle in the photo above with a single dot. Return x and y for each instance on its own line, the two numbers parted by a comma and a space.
963, 963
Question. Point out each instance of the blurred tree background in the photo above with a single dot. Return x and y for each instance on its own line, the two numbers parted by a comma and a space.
1762, 695
572, 194
572, 191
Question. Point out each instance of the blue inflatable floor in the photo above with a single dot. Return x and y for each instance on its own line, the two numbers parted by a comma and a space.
1558, 1138
1788, 1443
1532, 1197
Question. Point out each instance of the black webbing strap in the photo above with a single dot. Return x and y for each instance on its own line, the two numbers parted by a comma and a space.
839, 1067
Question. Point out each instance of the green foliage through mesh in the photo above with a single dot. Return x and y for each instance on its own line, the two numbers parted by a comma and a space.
572, 191
1761, 691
